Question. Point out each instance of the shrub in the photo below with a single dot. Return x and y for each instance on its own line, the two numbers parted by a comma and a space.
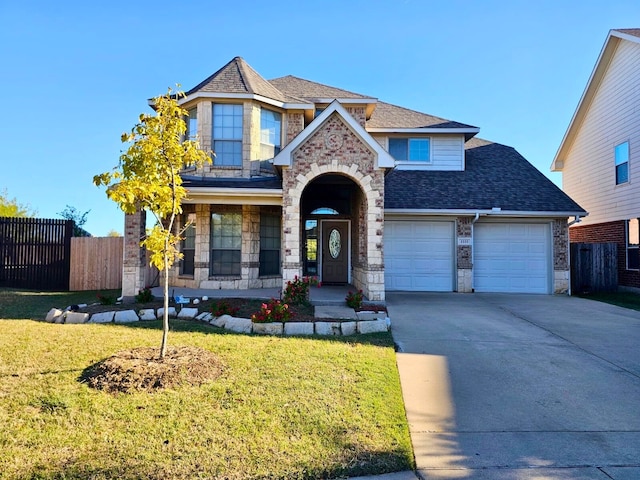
223, 308
144, 295
106, 299
354, 299
273, 311
297, 291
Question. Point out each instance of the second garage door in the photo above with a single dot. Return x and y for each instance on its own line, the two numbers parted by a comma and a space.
512, 257
418, 256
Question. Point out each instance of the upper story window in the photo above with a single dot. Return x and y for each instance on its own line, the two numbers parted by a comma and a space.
622, 163
410, 149
633, 244
227, 134
270, 133
192, 125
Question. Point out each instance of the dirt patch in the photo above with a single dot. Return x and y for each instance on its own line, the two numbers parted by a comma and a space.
142, 370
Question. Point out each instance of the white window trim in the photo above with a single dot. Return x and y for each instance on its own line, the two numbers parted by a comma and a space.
413, 162
615, 165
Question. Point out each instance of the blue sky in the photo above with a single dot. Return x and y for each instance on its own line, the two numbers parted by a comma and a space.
75, 75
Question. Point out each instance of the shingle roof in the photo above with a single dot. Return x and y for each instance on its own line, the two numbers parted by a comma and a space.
629, 31
301, 88
190, 182
238, 77
495, 176
387, 115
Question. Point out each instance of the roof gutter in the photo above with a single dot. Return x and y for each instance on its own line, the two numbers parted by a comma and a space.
495, 212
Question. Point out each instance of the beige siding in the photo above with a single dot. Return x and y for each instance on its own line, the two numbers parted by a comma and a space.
447, 152
612, 118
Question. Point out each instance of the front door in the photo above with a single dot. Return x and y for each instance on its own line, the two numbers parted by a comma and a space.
335, 251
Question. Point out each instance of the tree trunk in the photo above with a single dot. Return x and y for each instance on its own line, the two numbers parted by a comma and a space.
165, 314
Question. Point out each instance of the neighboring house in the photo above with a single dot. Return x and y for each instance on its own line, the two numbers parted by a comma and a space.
599, 156
310, 179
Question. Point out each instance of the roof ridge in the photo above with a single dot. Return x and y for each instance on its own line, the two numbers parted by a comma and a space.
319, 84
240, 64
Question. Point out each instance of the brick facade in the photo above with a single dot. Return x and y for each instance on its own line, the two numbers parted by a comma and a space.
133, 267
335, 149
609, 232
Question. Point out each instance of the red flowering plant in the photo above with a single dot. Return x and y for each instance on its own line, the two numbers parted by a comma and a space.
273, 311
223, 308
297, 290
354, 299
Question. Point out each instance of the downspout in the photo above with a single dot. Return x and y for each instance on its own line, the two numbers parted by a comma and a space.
577, 219
473, 251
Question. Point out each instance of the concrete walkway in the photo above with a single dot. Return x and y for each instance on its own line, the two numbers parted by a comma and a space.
519, 387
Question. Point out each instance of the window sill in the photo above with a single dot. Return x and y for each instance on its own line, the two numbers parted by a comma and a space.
268, 277
225, 277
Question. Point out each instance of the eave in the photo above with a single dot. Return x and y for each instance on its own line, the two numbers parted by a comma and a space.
243, 96
234, 196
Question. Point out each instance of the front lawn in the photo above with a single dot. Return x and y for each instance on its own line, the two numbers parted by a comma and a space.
290, 408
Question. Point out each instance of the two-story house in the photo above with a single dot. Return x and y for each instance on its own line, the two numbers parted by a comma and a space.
309, 179
599, 156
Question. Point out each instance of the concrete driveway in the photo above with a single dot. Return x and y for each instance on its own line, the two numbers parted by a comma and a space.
519, 386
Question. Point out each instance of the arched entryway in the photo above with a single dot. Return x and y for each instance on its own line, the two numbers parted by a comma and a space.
332, 210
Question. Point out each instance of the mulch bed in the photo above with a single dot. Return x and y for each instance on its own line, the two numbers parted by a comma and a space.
142, 370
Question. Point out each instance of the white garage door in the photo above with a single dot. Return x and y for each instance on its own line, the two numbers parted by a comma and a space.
418, 256
512, 257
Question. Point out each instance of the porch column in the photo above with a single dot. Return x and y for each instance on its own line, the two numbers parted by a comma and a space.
134, 256
464, 231
291, 255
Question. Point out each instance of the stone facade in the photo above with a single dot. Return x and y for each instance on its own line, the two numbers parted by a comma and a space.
561, 272
250, 252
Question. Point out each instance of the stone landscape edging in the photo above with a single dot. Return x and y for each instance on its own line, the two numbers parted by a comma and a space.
234, 324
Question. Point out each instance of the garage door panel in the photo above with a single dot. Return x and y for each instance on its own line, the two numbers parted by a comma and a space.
419, 255
512, 258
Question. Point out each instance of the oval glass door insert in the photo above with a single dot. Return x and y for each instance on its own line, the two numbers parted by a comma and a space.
334, 243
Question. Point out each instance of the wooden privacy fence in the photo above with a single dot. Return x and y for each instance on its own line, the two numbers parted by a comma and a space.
594, 267
96, 264
34, 253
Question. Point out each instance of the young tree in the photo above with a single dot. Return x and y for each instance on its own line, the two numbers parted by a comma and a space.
113, 233
9, 207
148, 177
79, 219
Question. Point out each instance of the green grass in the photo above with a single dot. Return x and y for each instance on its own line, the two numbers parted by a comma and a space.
284, 408
34, 305
622, 299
